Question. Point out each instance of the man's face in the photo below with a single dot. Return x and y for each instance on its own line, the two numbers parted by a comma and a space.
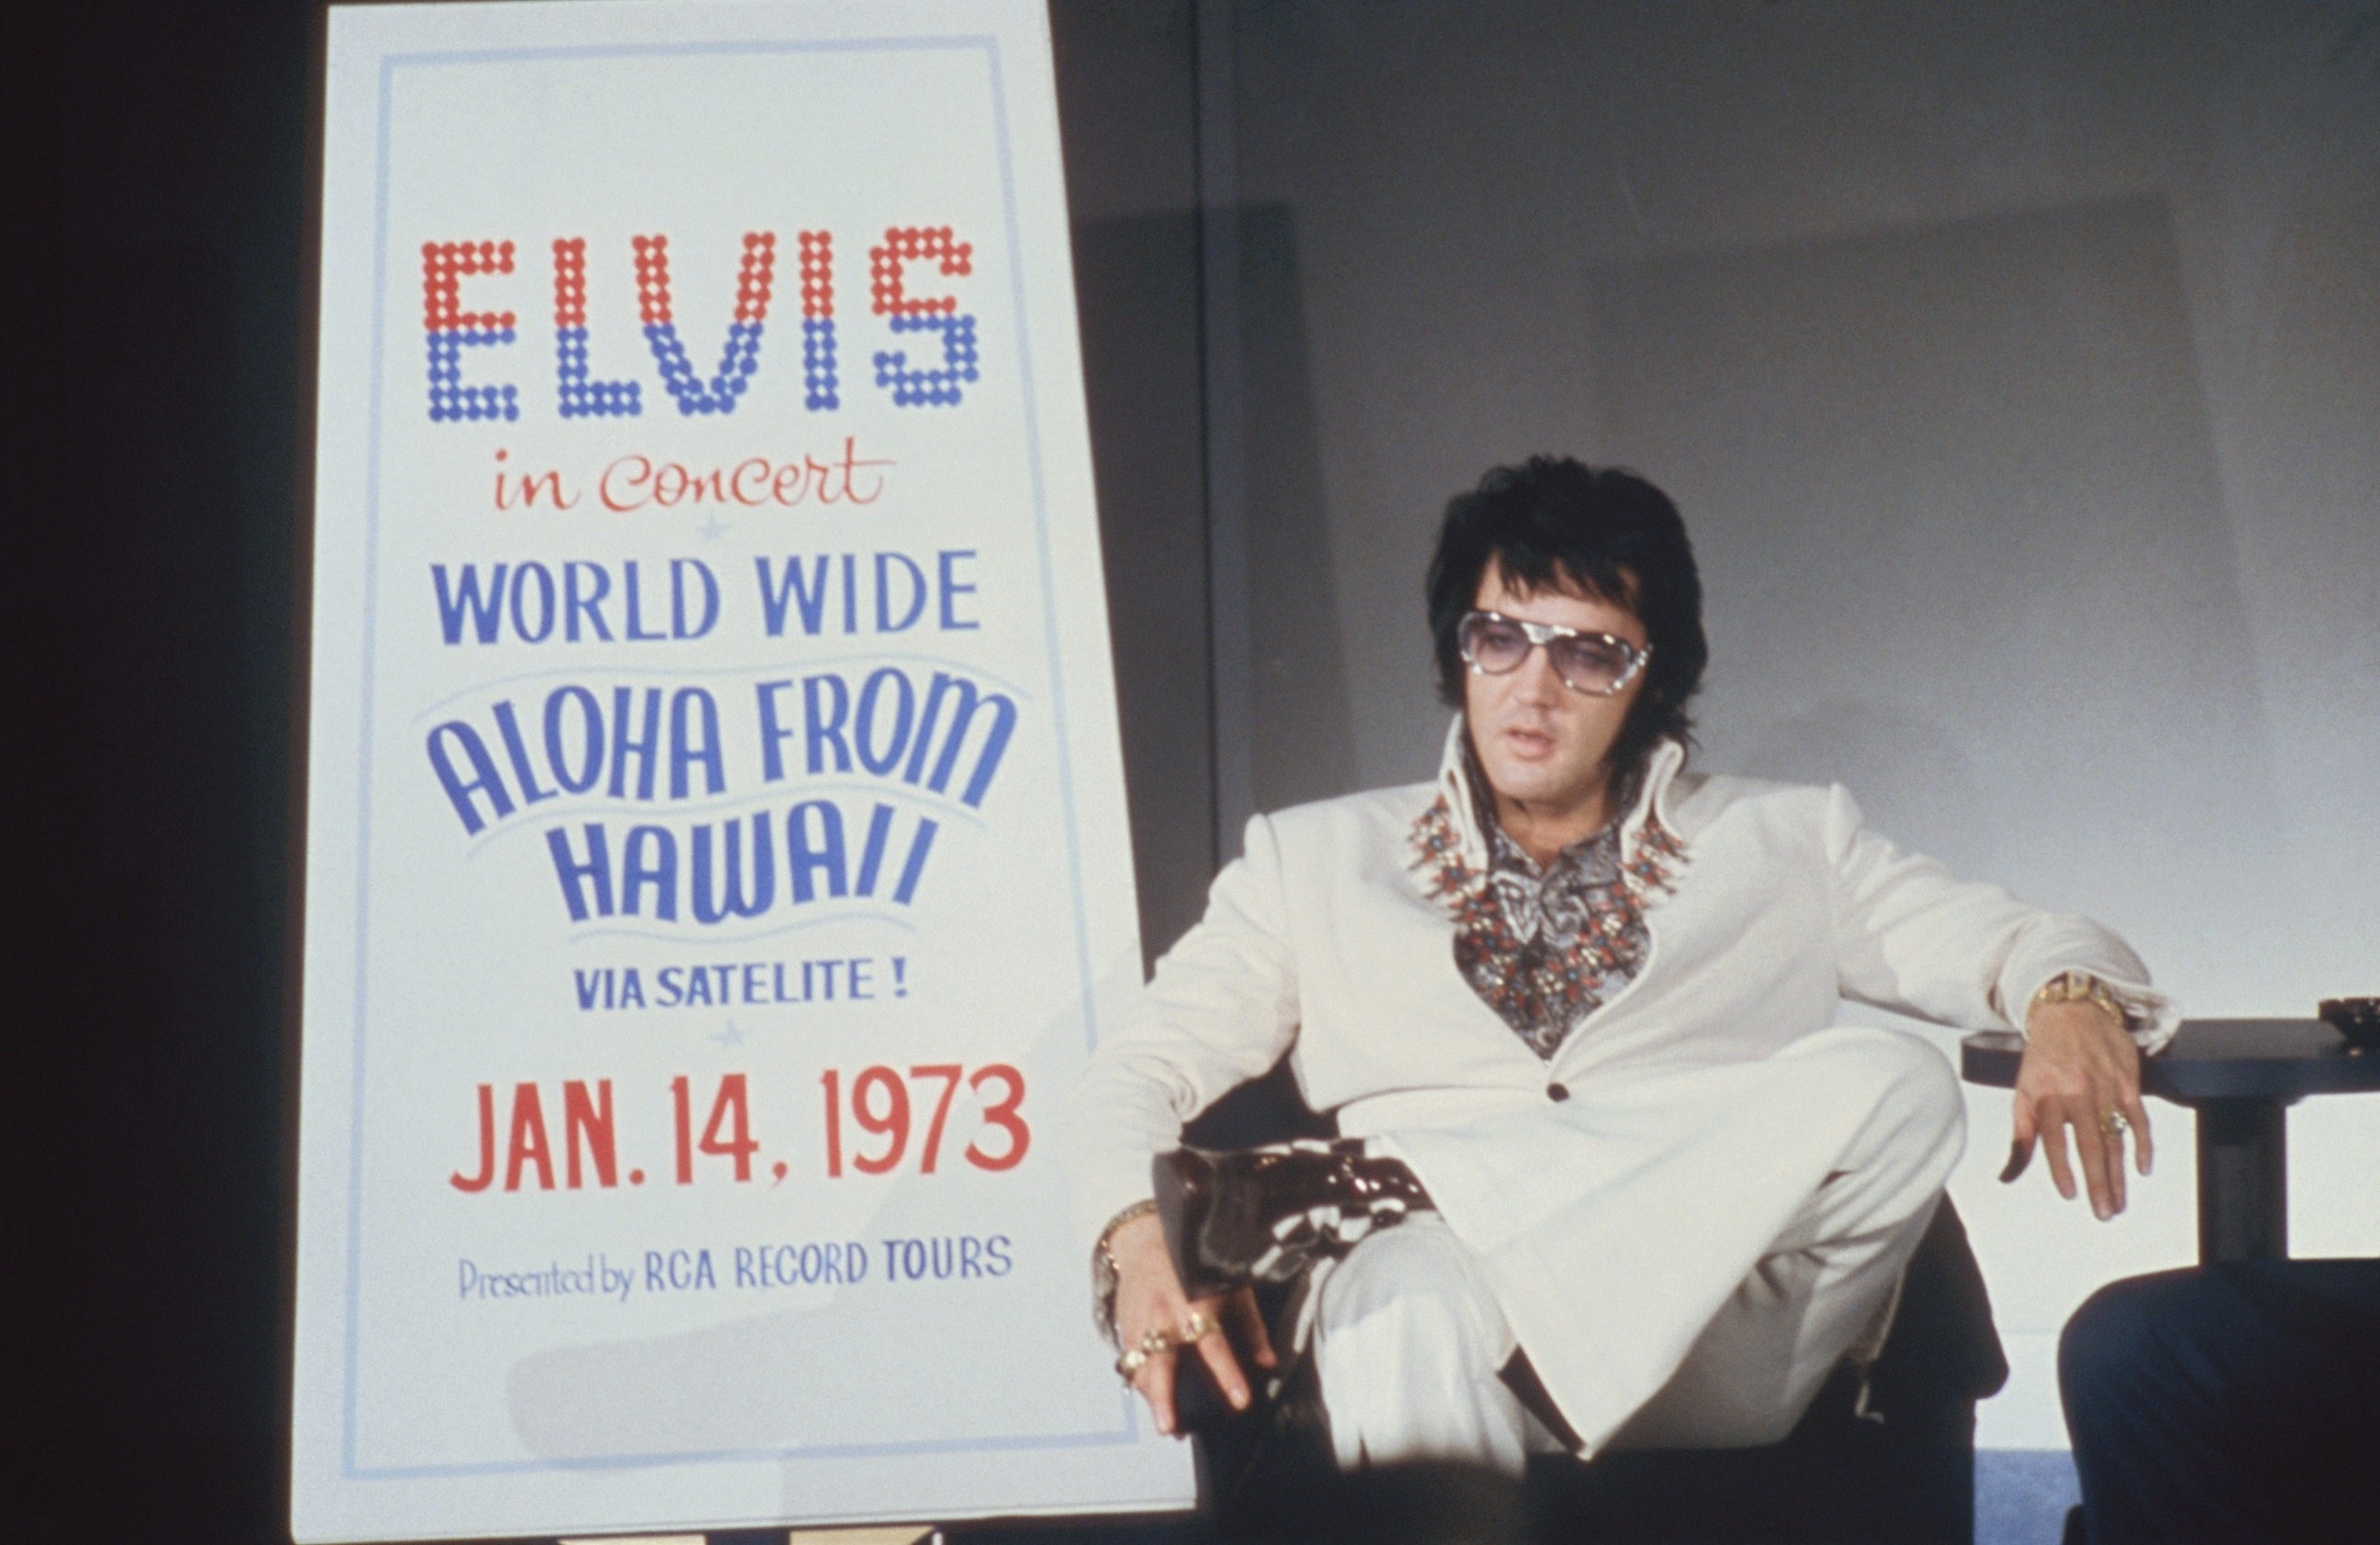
1543, 745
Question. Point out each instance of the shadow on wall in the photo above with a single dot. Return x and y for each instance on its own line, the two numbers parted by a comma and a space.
1953, 491
1136, 286
1304, 746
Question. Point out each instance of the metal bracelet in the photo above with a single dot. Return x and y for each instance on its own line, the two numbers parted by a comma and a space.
1103, 1272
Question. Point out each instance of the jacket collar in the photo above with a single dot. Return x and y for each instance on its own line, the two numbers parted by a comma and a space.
1465, 807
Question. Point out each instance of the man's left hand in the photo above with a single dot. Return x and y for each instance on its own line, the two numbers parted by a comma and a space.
2080, 1071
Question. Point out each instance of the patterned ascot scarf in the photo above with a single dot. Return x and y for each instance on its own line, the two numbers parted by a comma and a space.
1544, 948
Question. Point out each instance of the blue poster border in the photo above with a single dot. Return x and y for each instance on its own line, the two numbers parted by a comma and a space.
1127, 1430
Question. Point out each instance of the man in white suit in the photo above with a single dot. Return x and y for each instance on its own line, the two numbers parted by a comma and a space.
1572, 1008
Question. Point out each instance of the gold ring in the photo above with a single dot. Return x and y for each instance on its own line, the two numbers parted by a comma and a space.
1198, 1327
1128, 1367
1153, 1341
2114, 1124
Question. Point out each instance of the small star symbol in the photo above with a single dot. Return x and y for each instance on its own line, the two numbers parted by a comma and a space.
731, 1036
713, 530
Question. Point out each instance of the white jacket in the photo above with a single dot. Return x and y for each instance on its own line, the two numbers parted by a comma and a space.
1320, 941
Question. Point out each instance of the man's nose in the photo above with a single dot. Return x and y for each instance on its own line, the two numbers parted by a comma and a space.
1539, 681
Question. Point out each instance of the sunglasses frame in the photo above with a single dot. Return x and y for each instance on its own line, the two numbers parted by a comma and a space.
1546, 635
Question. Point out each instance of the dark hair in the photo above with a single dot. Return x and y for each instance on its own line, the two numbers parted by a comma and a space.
1552, 522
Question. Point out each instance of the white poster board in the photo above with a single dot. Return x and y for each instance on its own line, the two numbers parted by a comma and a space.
716, 852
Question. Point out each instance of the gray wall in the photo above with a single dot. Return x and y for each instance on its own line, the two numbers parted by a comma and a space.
2017, 370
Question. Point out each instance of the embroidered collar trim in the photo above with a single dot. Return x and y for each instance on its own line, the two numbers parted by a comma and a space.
1544, 948
1450, 852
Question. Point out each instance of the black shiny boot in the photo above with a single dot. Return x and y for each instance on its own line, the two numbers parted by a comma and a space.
1266, 1215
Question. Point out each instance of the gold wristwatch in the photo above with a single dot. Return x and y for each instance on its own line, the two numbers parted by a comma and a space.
2079, 987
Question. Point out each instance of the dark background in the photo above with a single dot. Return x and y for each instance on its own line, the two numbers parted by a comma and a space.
159, 625
147, 1215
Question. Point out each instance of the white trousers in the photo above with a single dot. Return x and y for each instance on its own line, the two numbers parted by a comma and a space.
1740, 1228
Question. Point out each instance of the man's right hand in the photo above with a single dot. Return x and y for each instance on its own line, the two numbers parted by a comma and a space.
1149, 1298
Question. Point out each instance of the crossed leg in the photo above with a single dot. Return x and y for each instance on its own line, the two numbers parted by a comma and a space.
1725, 1268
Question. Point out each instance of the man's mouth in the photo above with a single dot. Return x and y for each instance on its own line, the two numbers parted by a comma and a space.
1528, 743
